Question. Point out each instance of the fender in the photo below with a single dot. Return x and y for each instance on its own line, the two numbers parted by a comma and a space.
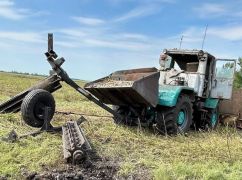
211, 103
169, 94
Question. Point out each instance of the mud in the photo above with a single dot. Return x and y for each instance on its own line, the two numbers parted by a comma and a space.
94, 168
107, 83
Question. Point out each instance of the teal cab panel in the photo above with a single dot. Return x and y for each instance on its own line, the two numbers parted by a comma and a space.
169, 94
211, 103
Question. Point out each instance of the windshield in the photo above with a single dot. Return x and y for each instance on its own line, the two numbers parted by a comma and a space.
184, 62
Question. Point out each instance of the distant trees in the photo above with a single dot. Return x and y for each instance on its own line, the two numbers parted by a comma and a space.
238, 75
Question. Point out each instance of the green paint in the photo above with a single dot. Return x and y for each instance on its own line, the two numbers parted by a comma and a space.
168, 94
181, 118
214, 119
211, 103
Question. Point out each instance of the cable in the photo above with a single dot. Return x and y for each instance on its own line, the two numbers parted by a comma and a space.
82, 114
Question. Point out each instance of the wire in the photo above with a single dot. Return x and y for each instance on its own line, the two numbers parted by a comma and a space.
82, 114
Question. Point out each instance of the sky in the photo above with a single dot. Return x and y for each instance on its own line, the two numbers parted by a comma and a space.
97, 37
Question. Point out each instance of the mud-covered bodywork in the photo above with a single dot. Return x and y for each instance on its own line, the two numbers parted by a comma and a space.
168, 95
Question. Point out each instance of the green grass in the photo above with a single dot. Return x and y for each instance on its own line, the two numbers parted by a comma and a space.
198, 155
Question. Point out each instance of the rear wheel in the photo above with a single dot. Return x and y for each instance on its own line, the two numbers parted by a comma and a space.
33, 107
207, 119
171, 120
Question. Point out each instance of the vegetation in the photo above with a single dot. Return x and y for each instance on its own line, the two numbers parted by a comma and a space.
145, 155
238, 75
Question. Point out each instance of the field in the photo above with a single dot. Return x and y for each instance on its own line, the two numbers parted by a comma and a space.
136, 154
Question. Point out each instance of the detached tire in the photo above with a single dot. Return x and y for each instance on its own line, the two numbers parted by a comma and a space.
33, 107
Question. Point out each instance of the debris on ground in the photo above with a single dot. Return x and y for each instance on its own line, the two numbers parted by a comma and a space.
75, 144
3, 177
11, 137
229, 120
239, 124
96, 168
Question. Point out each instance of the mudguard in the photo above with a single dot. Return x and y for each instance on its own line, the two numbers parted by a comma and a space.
169, 94
211, 103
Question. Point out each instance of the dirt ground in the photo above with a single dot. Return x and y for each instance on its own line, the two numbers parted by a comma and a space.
94, 168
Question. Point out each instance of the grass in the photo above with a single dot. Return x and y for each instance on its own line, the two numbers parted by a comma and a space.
198, 155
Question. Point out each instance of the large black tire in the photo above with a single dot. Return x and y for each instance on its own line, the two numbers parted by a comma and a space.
168, 121
33, 107
126, 113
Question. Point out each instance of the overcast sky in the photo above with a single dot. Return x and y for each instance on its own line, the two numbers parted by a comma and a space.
97, 37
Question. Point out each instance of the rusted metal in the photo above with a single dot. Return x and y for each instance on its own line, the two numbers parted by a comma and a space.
51, 84
50, 42
75, 144
135, 87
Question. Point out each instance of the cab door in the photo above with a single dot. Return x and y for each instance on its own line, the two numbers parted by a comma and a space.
222, 80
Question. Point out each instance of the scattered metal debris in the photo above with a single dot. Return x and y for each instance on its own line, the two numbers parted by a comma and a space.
75, 144
11, 137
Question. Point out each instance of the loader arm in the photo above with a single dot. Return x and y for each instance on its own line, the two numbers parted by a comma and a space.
56, 67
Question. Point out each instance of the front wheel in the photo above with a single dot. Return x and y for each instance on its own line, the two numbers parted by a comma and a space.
171, 120
128, 117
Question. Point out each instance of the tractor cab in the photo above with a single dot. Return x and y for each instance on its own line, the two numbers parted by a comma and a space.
198, 70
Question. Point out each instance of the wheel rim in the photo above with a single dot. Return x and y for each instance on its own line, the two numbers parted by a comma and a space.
214, 119
39, 110
181, 117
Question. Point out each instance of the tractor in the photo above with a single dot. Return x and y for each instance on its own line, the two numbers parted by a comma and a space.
191, 85
183, 94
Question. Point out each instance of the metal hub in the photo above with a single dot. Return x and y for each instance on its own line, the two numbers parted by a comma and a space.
181, 117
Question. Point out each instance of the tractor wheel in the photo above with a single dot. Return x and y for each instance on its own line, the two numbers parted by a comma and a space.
166, 123
207, 120
128, 115
33, 107
178, 119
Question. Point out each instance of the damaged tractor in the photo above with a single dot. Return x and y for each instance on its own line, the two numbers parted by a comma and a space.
183, 94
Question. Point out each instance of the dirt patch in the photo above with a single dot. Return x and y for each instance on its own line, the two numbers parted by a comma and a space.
94, 168
108, 83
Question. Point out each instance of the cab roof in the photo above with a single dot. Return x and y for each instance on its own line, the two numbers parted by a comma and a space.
188, 52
